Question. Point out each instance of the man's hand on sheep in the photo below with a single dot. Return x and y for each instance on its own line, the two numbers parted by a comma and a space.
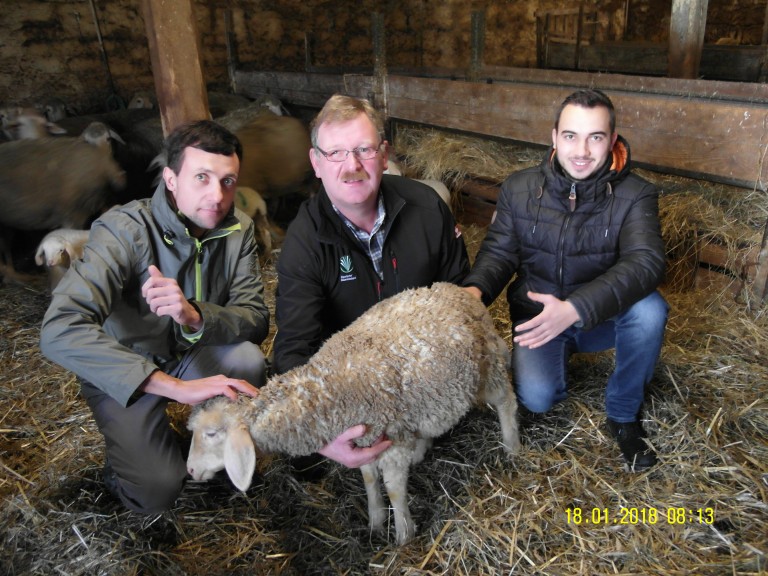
165, 298
195, 391
475, 291
344, 451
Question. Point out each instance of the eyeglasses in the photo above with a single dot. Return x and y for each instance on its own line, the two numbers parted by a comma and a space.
361, 153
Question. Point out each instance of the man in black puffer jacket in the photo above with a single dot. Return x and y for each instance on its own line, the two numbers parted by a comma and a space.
581, 235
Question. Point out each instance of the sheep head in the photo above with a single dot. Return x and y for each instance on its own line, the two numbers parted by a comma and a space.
221, 441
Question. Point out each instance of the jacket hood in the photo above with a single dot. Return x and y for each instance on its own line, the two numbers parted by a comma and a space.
616, 169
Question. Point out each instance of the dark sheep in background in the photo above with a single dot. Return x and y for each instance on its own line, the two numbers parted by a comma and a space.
54, 183
137, 138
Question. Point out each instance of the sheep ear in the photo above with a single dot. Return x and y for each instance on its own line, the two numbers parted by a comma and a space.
240, 457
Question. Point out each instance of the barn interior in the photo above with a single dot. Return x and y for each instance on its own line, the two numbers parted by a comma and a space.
469, 90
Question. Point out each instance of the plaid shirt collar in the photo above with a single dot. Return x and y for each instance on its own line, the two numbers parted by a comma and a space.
372, 243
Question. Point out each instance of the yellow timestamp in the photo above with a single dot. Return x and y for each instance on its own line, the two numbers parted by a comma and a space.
640, 515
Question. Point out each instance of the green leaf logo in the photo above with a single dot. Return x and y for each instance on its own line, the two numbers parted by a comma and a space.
345, 262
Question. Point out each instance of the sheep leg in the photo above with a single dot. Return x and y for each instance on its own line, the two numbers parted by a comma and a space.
377, 510
422, 445
503, 399
394, 464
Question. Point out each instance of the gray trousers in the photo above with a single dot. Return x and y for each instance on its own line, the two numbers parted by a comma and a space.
142, 449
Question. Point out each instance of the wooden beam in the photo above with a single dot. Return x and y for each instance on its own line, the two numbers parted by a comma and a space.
477, 44
379, 62
686, 37
175, 53
708, 130
718, 140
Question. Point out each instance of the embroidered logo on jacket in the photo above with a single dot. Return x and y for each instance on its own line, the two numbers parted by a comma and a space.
346, 268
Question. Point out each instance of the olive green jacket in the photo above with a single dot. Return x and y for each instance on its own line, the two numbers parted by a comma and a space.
100, 327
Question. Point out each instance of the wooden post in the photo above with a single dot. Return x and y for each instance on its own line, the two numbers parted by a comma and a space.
307, 52
760, 285
379, 64
174, 47
478, 44
579, 27
686, 37
232, 56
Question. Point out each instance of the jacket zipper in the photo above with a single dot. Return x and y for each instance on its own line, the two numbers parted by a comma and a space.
572, 197
199, 271
561, 251
561, 247
394, 269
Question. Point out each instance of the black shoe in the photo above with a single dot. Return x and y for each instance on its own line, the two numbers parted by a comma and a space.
110, 480
629, 435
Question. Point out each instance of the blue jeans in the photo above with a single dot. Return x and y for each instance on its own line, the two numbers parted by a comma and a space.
637, 334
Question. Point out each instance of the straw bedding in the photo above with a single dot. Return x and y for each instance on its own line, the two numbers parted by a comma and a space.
477, 512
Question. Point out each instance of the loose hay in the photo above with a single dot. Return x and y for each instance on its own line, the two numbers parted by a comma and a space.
477, 512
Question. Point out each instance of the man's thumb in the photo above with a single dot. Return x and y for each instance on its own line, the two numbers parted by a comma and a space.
154, 271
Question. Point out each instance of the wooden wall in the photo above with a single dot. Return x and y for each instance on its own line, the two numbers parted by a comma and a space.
51, 47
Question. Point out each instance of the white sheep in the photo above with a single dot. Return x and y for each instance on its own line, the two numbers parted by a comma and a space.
60, 247
27, 124
99, 134
441, 189
410, 367
142, 99
55, 183
250, 201
57, 249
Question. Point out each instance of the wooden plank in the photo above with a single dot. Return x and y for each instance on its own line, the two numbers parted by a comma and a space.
733, 63
174, 47
718, 140
478, 189
707, 130
475, 210
686, 88
760, 287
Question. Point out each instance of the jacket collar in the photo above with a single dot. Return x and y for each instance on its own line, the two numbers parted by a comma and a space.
330, 226
616, 169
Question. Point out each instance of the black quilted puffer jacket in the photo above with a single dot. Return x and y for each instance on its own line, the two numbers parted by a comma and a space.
596, 243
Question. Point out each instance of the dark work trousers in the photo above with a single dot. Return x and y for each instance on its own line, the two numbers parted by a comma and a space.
142, 449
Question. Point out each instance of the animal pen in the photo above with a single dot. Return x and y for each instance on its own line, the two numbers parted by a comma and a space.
565, 505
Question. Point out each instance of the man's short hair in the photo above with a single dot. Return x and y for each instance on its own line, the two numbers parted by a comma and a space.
206, 135
588, 99
340, 108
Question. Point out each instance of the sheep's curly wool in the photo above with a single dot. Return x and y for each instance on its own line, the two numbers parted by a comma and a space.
410, 367
412, 364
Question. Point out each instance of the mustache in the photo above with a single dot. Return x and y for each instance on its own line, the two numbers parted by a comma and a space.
356, 175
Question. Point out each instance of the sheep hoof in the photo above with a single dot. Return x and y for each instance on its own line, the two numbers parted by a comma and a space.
377, 520
407, 534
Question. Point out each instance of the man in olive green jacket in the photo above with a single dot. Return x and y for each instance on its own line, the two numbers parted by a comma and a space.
166, 304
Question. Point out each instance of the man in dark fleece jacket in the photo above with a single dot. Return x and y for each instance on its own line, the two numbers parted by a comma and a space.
364, 237
581, 236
